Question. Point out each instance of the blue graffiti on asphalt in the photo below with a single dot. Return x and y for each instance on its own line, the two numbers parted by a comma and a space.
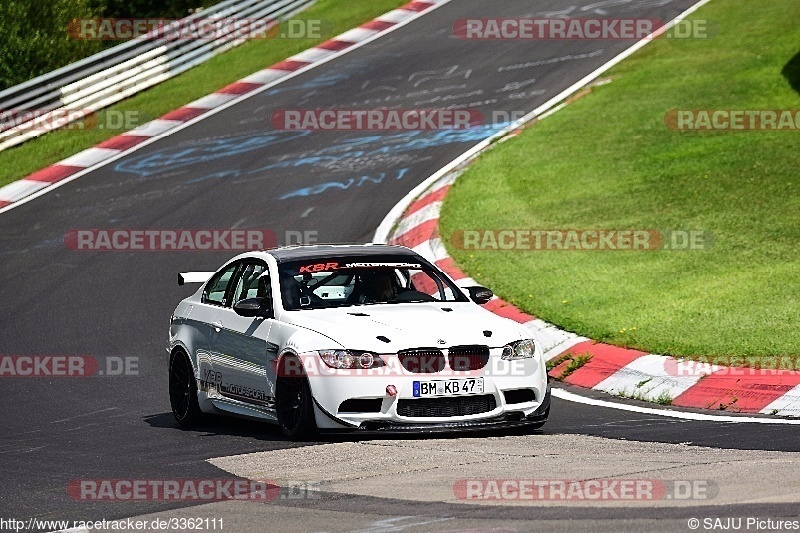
329, 79
326, 80
392, 144
202, 152
342, 185
216, 175
356, 147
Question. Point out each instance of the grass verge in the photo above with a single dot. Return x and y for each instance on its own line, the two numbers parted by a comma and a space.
337, 16
608, 161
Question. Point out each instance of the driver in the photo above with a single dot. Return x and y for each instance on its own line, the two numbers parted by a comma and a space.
379, 286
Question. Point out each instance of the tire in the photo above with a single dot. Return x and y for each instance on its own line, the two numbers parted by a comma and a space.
295, 407
183, 390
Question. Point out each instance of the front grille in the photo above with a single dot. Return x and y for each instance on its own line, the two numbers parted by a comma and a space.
455, 406
361, 405
463, 358
422, 360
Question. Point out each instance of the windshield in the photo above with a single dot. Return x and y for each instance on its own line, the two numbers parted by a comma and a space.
352, 281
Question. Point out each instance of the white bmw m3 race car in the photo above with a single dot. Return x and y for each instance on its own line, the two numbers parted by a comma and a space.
365, 338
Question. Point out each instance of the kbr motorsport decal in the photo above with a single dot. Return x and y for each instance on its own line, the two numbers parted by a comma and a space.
323, 267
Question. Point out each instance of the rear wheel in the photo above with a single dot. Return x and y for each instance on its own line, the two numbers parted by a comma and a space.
183, 390
295, 407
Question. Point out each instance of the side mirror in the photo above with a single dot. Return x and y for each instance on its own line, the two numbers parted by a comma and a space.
480, 295
253, 307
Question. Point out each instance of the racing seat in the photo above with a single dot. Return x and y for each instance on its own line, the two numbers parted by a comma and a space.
356, 294
250, 285
290, 292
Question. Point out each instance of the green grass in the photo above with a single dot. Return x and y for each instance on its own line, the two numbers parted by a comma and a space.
662, 399
576, 361
608, 161
337, 16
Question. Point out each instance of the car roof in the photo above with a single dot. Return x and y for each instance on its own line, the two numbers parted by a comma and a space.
324, 251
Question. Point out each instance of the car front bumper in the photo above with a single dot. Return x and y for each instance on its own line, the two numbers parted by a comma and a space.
505, 421
493, 407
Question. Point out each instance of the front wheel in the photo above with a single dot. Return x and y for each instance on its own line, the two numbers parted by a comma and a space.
295, 407
183, 390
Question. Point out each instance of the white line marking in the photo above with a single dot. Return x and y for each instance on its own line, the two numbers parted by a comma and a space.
572, 397
85, 414
393, 524
26, 450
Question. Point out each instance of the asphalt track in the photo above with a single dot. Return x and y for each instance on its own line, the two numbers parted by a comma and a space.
234, 170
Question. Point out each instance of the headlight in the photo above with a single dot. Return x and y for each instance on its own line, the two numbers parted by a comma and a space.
349, 359
524, 349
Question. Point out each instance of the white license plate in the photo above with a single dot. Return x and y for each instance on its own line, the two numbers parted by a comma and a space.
448, 387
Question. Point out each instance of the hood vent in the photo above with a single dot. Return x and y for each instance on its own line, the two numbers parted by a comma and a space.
358, 314
487, 333
383, 339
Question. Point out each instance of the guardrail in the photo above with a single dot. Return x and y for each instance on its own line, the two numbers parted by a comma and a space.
70, 93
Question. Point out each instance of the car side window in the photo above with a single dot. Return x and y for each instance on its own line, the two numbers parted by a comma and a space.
252, 282
217, 287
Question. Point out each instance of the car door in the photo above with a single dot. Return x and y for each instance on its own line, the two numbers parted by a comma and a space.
203, 318
240, 346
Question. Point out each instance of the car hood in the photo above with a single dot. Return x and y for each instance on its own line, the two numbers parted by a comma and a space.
409, 325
